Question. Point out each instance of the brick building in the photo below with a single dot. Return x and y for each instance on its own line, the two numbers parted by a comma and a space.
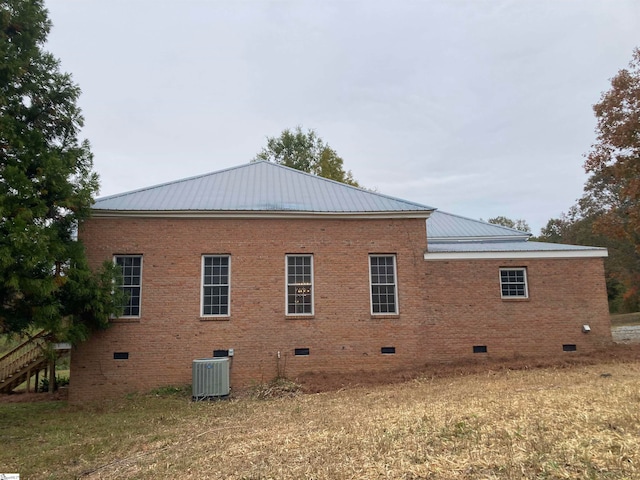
295, 273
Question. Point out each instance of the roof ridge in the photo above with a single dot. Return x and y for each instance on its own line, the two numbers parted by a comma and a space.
342, 184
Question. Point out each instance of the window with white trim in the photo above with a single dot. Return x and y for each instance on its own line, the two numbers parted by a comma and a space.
215, 285
384, 285
131, 271
513, 283
299, 285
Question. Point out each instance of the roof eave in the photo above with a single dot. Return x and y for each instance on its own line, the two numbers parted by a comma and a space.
539, 254
100, 213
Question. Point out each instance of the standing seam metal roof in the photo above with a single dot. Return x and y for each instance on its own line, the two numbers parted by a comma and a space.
453, 234
259, 186
267, 187
447, 226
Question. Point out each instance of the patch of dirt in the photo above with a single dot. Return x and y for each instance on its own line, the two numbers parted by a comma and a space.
313, 382
18, 397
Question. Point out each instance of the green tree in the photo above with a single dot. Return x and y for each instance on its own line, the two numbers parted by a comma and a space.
46, 188
521, 225
612, 193
307, 152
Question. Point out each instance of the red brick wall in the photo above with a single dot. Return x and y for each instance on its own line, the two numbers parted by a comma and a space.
445, 307
465, 308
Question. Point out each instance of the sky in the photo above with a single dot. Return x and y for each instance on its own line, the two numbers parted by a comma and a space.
478, 108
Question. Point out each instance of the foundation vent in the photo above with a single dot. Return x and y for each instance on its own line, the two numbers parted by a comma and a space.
210, 378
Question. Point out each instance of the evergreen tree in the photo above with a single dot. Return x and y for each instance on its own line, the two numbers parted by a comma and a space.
46, 188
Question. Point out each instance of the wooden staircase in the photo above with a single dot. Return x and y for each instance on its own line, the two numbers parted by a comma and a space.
27, 360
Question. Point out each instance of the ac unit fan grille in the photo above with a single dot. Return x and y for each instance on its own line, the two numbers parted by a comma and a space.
210, 378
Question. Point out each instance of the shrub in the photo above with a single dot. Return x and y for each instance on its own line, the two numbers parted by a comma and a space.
60, 382
277, 388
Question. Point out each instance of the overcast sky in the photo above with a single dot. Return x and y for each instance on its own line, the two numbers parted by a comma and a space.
480, 108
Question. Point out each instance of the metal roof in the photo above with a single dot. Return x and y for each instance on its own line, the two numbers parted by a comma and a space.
443, 226
452, 237
258, 187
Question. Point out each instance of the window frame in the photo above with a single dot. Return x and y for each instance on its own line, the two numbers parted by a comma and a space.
287, 285
203, 286
524, 282
395, 284
122, 286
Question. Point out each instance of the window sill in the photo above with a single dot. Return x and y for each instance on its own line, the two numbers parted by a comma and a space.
125, 320
507, 299
383, 316
299, 317
215, 319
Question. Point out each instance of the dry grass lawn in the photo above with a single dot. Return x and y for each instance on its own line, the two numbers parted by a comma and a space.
625, 319
554, 423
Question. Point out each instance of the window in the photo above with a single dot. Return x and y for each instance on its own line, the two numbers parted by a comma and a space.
299, 285
513, 283
383, 284
215, 285
131, 266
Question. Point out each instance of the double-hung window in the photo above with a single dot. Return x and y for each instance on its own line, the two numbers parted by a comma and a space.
384, 285
513, 283
131, 270
215, 285
299, 285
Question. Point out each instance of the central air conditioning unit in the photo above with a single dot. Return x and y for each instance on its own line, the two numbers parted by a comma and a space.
210, 378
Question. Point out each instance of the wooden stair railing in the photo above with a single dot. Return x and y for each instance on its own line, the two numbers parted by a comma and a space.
17, 365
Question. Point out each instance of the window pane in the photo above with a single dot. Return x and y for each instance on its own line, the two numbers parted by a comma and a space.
131, 270
383, 284
299, 285
215, 285
513, 282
